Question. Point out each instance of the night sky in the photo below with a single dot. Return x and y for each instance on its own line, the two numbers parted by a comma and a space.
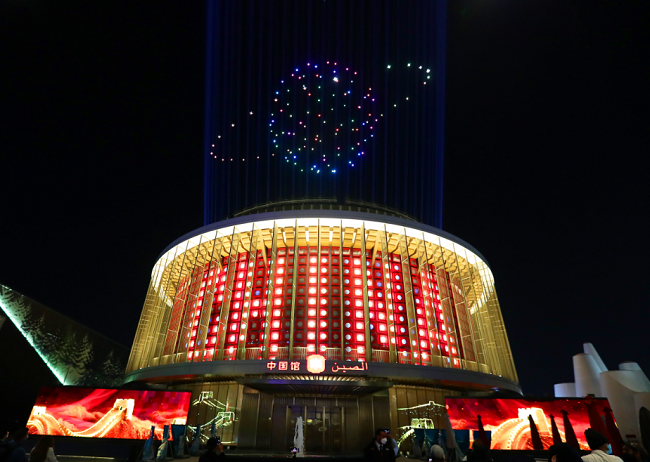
547, 145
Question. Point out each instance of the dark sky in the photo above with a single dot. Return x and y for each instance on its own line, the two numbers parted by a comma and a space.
548, 137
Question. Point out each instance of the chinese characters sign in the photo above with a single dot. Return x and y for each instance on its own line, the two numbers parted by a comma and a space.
316, 364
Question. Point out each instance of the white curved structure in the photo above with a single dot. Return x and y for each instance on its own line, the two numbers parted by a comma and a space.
626, 389
565, 390
586, 372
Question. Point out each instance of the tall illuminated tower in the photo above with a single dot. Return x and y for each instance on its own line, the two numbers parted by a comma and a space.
282, 76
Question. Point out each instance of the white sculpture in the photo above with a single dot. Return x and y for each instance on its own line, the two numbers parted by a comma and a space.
298, 439
626, 389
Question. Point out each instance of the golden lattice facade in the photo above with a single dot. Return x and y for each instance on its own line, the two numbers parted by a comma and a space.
347, 288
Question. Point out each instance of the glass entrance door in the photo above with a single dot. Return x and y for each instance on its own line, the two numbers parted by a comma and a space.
323, 429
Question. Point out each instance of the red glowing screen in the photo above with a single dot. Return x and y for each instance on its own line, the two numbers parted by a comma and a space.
507, 419
107, 413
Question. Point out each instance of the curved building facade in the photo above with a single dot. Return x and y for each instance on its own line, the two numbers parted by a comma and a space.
352, 320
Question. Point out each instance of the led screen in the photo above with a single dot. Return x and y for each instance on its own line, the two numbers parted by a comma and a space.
107, 413
507, 419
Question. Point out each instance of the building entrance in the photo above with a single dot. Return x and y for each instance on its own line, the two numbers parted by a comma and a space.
322, 428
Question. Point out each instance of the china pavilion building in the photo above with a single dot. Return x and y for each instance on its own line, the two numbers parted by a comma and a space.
351, 317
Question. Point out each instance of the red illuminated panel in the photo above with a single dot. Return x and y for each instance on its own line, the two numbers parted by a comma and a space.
107, 413
257, 311
429, 293
354, 340
420, 315
377, 303
507, 419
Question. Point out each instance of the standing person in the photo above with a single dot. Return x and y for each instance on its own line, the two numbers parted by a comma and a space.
214, 452
12, 450
43, 451
601, 450
380, 449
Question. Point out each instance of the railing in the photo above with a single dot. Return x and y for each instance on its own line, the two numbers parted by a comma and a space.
279, 353
380, 356
329, 353
255, 353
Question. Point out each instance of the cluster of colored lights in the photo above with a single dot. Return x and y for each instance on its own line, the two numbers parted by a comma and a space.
322, 118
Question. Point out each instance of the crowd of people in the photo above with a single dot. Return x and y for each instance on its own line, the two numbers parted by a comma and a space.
12, 448
382, 448
385, 449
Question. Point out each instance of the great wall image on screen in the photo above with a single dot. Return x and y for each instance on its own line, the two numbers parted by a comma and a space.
107, 413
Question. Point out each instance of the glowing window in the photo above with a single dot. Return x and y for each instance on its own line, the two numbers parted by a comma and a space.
383, 339
359, 325
323, 324
360, 337
311, 324
312, 312
323, 312
312, 280
311, 335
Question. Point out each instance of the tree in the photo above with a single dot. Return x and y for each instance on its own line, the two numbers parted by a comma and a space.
113, 369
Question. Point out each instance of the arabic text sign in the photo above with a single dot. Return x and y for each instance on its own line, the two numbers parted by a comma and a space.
331, 367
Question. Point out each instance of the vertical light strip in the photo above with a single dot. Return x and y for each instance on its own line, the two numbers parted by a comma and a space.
163, 294
208, 300
432, 321
341, 302
467, 290
441, 281
227, 295
173, 331
251, 267
294, 280
192, 299
414, 343
366, 305
267, 309
385, 258
318, 276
